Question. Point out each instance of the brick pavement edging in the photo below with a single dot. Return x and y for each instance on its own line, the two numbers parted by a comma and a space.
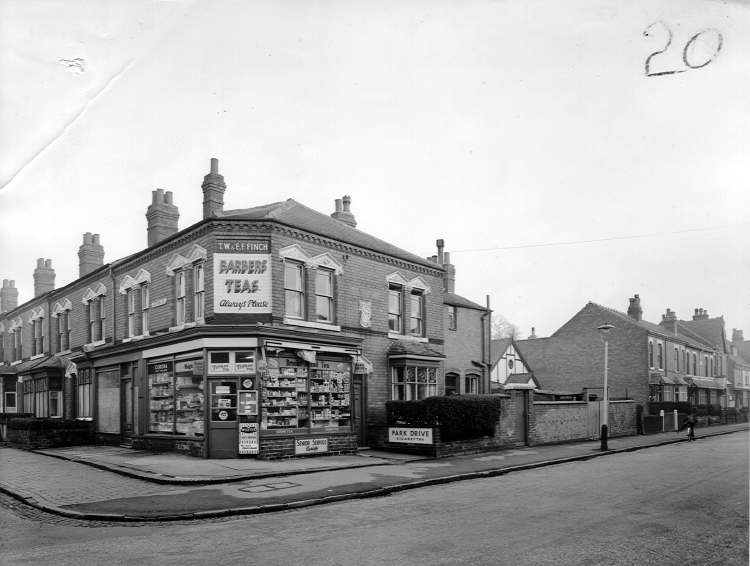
376, 492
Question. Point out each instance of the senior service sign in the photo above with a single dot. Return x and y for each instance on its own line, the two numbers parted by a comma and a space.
242, 277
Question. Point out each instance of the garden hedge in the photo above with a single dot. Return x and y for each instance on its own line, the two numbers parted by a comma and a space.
459, 417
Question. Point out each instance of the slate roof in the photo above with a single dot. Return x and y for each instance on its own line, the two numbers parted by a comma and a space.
539, 354
522, 378
408, 348
497, 348
459, 301
297, 215
683, 333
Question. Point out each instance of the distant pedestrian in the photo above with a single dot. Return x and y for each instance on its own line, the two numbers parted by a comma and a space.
689, 424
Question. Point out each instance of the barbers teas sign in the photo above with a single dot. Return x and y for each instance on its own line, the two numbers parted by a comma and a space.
410, 435
242, 277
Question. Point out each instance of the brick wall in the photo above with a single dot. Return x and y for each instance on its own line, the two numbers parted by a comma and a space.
557, 421
622, 418
274, 447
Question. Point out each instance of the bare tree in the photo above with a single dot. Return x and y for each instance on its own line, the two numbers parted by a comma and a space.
503, 328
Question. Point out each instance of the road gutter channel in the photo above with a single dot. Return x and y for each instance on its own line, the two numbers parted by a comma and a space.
377, 492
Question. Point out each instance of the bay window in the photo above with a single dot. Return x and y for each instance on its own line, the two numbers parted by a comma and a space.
412, 382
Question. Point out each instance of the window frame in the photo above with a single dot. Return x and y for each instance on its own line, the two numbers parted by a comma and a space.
452, 317
298, 292
397, 292
180, 297
327, 298
130, 298
199, 292
413, 389
650, 354
145, 306
416, 297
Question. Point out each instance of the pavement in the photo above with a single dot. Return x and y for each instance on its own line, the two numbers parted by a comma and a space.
107, 483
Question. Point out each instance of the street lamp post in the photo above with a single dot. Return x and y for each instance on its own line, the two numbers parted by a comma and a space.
604, 331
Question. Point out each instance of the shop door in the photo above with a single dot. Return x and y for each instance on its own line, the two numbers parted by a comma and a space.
222, 426
359, 415
126, 411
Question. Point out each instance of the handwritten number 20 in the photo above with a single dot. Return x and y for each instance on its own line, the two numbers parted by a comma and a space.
685, 57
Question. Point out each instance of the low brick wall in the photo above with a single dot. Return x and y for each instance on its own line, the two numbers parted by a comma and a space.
188, 446
29, 438
274, 447
557, 421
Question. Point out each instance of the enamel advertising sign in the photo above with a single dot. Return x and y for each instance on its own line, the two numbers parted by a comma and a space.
242, 277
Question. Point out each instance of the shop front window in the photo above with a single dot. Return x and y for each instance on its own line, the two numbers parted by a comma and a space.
176, 396
312, 393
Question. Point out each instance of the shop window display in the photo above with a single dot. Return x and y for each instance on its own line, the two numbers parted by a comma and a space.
176, 396
300, 394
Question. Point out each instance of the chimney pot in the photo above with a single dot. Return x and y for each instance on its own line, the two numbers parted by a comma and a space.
214, 166
343, 213
634, 310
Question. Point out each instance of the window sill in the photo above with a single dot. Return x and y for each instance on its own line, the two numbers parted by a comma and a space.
36, 357
63, 352
182, 326
308, 324
91, 345
16, 362
396, 336
128, 339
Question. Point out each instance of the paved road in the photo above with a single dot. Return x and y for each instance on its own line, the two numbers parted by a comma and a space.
677, 504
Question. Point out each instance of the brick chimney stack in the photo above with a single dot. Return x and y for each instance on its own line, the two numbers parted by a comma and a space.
737, 334
444, 260
634, 310
343, 212
8, 296
669, 321
700, 314
90, 254
44, 277
213, 191
162, 216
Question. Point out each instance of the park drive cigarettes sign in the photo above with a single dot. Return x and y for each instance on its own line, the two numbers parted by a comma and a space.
410, 435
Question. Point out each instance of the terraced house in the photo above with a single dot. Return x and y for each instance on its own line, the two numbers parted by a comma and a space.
669, 362
273, 331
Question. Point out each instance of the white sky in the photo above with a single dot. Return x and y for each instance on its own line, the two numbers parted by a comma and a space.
491, 124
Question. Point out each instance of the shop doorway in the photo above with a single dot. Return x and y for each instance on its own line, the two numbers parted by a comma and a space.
126, 411
223, 435
359, 413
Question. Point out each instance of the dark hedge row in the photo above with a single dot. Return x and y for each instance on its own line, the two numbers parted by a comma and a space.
459, 417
